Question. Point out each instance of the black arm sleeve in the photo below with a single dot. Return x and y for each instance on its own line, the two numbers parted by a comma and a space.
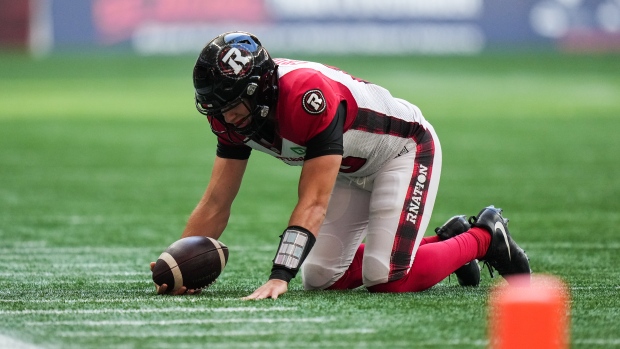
329, 142
236, 152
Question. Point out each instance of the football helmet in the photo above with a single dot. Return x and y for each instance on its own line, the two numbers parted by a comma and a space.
231, 69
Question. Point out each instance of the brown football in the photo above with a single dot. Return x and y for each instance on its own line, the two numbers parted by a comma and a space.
194, 262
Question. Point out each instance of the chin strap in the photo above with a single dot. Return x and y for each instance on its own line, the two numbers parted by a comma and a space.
295, 245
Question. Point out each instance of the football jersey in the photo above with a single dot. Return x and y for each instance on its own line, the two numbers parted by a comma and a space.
377, 128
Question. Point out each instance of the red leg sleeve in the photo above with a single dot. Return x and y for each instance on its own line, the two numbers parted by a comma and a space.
435, 261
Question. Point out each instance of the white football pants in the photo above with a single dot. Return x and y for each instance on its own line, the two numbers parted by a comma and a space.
391, 211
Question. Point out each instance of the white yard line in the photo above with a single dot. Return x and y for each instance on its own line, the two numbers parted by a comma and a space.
176, 322
6, 252
71, 273
574, 245
150, 299
85, 281
42, 251
360, 343
606, 343
202, 334
12, 343
142, 311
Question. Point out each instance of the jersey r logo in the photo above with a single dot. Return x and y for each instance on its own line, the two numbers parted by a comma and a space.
314, 102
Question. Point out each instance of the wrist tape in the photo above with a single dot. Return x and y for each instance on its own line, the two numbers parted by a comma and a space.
295, 245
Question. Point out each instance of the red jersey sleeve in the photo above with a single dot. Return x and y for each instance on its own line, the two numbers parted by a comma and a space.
307, 104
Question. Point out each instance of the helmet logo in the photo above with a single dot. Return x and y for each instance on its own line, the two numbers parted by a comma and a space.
314, 102
235, 61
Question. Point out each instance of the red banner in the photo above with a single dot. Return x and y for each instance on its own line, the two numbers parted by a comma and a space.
116, 20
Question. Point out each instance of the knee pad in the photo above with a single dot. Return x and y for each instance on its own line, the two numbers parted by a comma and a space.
318, 277
374, 271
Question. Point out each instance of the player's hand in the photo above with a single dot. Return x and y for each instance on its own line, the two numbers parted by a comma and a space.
271, 289
163, 288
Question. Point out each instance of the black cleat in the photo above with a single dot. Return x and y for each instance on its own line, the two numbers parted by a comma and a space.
468, 274
504, 255
453, 227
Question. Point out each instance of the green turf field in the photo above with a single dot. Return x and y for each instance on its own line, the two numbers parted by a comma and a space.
103, 159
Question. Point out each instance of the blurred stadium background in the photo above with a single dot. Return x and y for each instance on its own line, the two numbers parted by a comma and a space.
313, 26
103, 156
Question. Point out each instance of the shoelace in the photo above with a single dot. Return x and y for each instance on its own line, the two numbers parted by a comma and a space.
489, 267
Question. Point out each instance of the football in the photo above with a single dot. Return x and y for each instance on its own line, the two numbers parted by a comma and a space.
194, 262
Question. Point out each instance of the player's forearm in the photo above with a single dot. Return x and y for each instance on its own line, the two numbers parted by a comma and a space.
206, 222
309, 216
211, 215
316, 182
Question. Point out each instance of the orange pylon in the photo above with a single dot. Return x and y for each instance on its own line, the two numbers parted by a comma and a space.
529, 314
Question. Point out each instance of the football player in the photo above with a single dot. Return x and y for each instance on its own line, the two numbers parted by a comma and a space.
370, 172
